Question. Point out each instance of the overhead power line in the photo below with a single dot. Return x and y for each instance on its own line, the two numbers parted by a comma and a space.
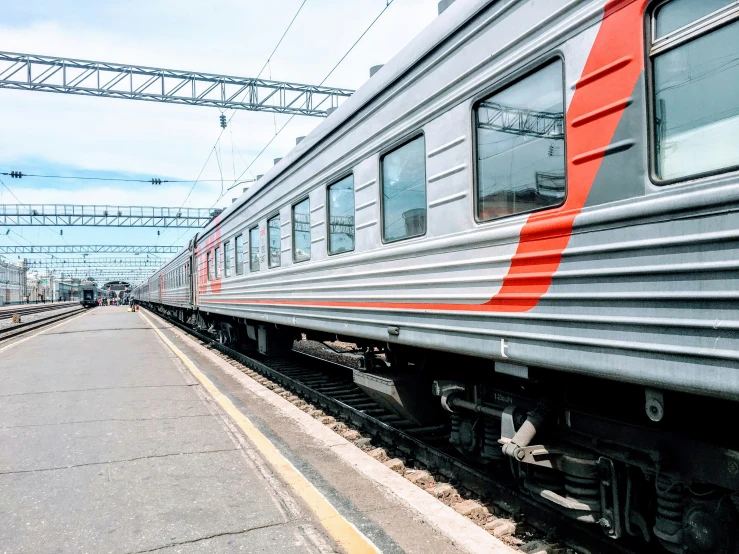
387, 5
223, 127
153, 181
135, 82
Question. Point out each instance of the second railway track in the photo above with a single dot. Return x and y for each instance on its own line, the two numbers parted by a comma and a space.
25, 327
329, 386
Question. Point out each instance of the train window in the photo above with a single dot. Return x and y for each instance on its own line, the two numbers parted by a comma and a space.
254, 249
217, 261
227, 258
680, 13
239, 248
695, 88
520, 146
273, 238
209, 258
341, 216
404, 191
301, 231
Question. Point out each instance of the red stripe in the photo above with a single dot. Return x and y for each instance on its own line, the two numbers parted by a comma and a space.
619, 38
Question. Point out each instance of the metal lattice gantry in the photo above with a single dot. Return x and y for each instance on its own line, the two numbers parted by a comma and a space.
520, 121
61, 215
88, 249
136, 82
102, 262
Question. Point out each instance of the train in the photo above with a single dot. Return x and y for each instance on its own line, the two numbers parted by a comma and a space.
90, 294
531, 212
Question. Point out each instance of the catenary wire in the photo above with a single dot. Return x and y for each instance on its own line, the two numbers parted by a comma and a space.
387, 5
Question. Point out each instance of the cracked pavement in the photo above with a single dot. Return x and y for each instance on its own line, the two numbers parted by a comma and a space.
108, 445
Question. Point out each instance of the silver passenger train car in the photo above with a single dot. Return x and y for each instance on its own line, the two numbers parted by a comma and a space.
535, 207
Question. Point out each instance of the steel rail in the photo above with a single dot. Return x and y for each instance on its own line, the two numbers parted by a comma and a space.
21, 328
28, 309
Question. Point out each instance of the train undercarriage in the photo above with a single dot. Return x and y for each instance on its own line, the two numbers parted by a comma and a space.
647, 466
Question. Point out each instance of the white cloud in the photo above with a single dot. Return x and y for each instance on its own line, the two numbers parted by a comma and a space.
231, 37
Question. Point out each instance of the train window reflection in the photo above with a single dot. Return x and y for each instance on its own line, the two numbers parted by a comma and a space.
254, 249
273, 238
404, 191
341, 216
239, 254
301, 231
218, 262
679, 13
696, 103
520, 146
227, 259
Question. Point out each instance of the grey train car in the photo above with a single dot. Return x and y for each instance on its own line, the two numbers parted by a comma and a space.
535, 208
89, 295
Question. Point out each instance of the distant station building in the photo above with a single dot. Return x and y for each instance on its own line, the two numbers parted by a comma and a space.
118, 289
12, 282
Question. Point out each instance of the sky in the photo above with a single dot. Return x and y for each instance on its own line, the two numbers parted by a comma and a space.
63, 134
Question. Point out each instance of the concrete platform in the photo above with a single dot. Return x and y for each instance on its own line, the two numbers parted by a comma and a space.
107, 446
111, 444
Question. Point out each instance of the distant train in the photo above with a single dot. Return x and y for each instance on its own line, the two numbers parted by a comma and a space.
89, 295
535, 206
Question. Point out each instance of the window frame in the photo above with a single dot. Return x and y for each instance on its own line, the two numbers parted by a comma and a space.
407, 139
236, 254
279, 232
327, 203
208, 258
226, 260
251, 269
516, 76
217, 258
292, 230
667, 43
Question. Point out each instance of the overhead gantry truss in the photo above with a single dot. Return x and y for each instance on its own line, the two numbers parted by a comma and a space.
66, 215
88, 249
136, 82
146, 262
520, 121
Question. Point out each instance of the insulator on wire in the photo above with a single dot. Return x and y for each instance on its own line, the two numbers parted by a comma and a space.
156, 181
16, 174
223, 121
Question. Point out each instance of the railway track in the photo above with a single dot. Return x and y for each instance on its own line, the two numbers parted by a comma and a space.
22, 328
28, 309
329, 385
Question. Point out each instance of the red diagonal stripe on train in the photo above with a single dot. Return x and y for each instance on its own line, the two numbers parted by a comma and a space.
610, 74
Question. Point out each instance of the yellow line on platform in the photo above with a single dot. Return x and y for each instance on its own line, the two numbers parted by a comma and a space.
341, 530
42, 332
